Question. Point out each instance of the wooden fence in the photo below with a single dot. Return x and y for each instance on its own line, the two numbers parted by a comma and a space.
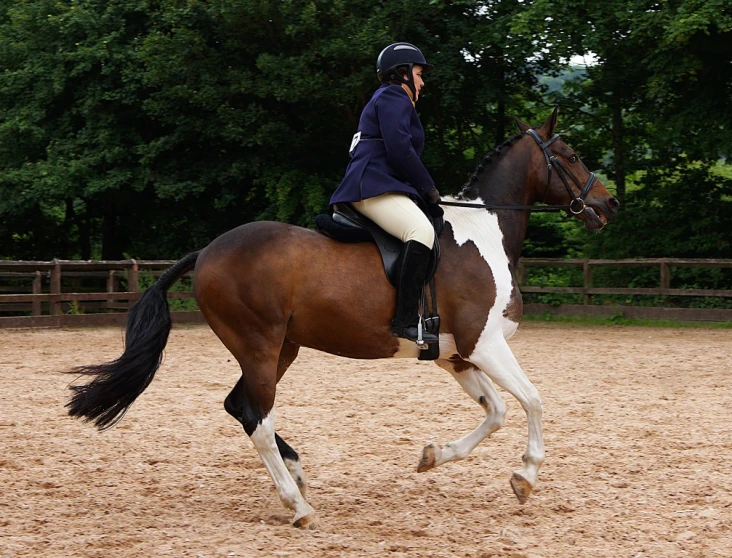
92, 293
665, 267
67, 293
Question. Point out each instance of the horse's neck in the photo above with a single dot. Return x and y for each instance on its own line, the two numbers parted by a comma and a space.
513, 223
505, 183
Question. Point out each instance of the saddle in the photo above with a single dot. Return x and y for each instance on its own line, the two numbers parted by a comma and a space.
348, 225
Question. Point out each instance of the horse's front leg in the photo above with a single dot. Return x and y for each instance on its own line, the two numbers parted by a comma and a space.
495, 358
480, 388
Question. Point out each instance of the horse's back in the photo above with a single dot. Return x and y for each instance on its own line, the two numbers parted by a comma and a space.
287, 253
313, 290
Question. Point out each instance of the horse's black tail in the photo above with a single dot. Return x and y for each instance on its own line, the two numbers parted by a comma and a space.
118, 383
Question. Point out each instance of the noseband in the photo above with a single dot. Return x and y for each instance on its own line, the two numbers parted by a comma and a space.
576, 205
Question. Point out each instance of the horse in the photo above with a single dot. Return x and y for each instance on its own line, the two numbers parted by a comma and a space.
268, 288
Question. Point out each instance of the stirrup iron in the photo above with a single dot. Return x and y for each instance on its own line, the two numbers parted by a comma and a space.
421, 345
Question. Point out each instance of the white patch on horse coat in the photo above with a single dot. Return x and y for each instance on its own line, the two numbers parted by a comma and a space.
263, 439
481, 227
492, 354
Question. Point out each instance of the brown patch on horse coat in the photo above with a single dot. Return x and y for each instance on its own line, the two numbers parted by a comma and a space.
266, 283
511, 226
515, 307
459, 364
465, 306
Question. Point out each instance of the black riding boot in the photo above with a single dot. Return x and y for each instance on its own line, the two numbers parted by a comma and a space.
413, 268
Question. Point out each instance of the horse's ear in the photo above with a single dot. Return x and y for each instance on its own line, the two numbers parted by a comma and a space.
547, 129
522, 126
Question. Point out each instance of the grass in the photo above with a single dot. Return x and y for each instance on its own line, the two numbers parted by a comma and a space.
619, 320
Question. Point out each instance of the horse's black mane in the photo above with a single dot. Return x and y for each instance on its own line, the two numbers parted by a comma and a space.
469, 190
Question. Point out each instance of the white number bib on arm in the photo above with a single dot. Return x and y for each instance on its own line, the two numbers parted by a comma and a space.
354, 141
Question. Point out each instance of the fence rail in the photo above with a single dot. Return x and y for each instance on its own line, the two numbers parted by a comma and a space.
62, 292
33, 292
665, 268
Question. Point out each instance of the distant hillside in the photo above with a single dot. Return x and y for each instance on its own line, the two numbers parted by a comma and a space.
554, 83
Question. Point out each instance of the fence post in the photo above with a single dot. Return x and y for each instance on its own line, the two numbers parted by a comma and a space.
55, 287
37, 285
586, 281
520, 273
133, 284
665, 275
132, 277
110, 287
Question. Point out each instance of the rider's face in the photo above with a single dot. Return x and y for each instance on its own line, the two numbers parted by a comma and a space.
418, 81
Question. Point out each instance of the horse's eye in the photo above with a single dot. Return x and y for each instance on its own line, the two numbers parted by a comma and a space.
573, 159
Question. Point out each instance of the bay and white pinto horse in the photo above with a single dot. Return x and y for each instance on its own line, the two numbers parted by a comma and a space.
266, 289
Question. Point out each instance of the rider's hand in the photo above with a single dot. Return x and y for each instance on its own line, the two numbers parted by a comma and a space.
433, 196
435, 210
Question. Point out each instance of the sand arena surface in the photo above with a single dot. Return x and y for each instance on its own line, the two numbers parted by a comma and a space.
637, 428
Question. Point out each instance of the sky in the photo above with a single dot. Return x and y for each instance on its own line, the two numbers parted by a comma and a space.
587, 60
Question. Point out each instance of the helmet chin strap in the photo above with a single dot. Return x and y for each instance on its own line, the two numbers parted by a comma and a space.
408, 84
410, 91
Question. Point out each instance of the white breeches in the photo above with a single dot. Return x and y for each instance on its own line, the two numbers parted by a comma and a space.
398, 215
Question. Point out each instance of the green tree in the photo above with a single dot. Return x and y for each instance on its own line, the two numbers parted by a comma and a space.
653, 111
147, 127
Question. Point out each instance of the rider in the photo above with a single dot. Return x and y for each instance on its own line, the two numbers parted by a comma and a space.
385, 173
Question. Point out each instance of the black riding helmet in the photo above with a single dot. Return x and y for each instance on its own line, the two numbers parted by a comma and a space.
397, 56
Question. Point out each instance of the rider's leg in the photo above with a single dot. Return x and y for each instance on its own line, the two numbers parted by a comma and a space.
398, 215
410, 283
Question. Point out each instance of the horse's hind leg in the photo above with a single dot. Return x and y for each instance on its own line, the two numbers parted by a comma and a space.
251, 403
481, 389
235, 404
292, 460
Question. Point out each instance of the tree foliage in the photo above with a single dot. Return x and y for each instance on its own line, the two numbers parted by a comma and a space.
653, 112
145, 128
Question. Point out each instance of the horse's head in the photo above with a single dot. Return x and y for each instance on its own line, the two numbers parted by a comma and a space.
562, 179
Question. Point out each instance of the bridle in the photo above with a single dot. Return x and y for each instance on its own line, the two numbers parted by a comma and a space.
576, 205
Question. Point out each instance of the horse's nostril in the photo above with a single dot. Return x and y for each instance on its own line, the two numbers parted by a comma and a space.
613, 204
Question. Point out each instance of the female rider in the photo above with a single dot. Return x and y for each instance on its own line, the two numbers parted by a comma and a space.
385, 173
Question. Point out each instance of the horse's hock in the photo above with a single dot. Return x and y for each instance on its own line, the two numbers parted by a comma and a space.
635, 429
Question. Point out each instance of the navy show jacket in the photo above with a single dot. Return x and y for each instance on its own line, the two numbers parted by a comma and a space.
386, 157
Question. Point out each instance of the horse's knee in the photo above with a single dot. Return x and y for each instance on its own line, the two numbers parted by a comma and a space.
534, 404
495, 410
499, 415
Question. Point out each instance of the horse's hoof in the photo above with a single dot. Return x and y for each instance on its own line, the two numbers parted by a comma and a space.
429, 458
309, 522
521, 487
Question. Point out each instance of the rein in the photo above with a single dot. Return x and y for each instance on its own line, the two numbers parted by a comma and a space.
576, 205
519, 207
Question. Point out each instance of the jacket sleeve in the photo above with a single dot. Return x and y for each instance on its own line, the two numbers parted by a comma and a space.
394, 111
